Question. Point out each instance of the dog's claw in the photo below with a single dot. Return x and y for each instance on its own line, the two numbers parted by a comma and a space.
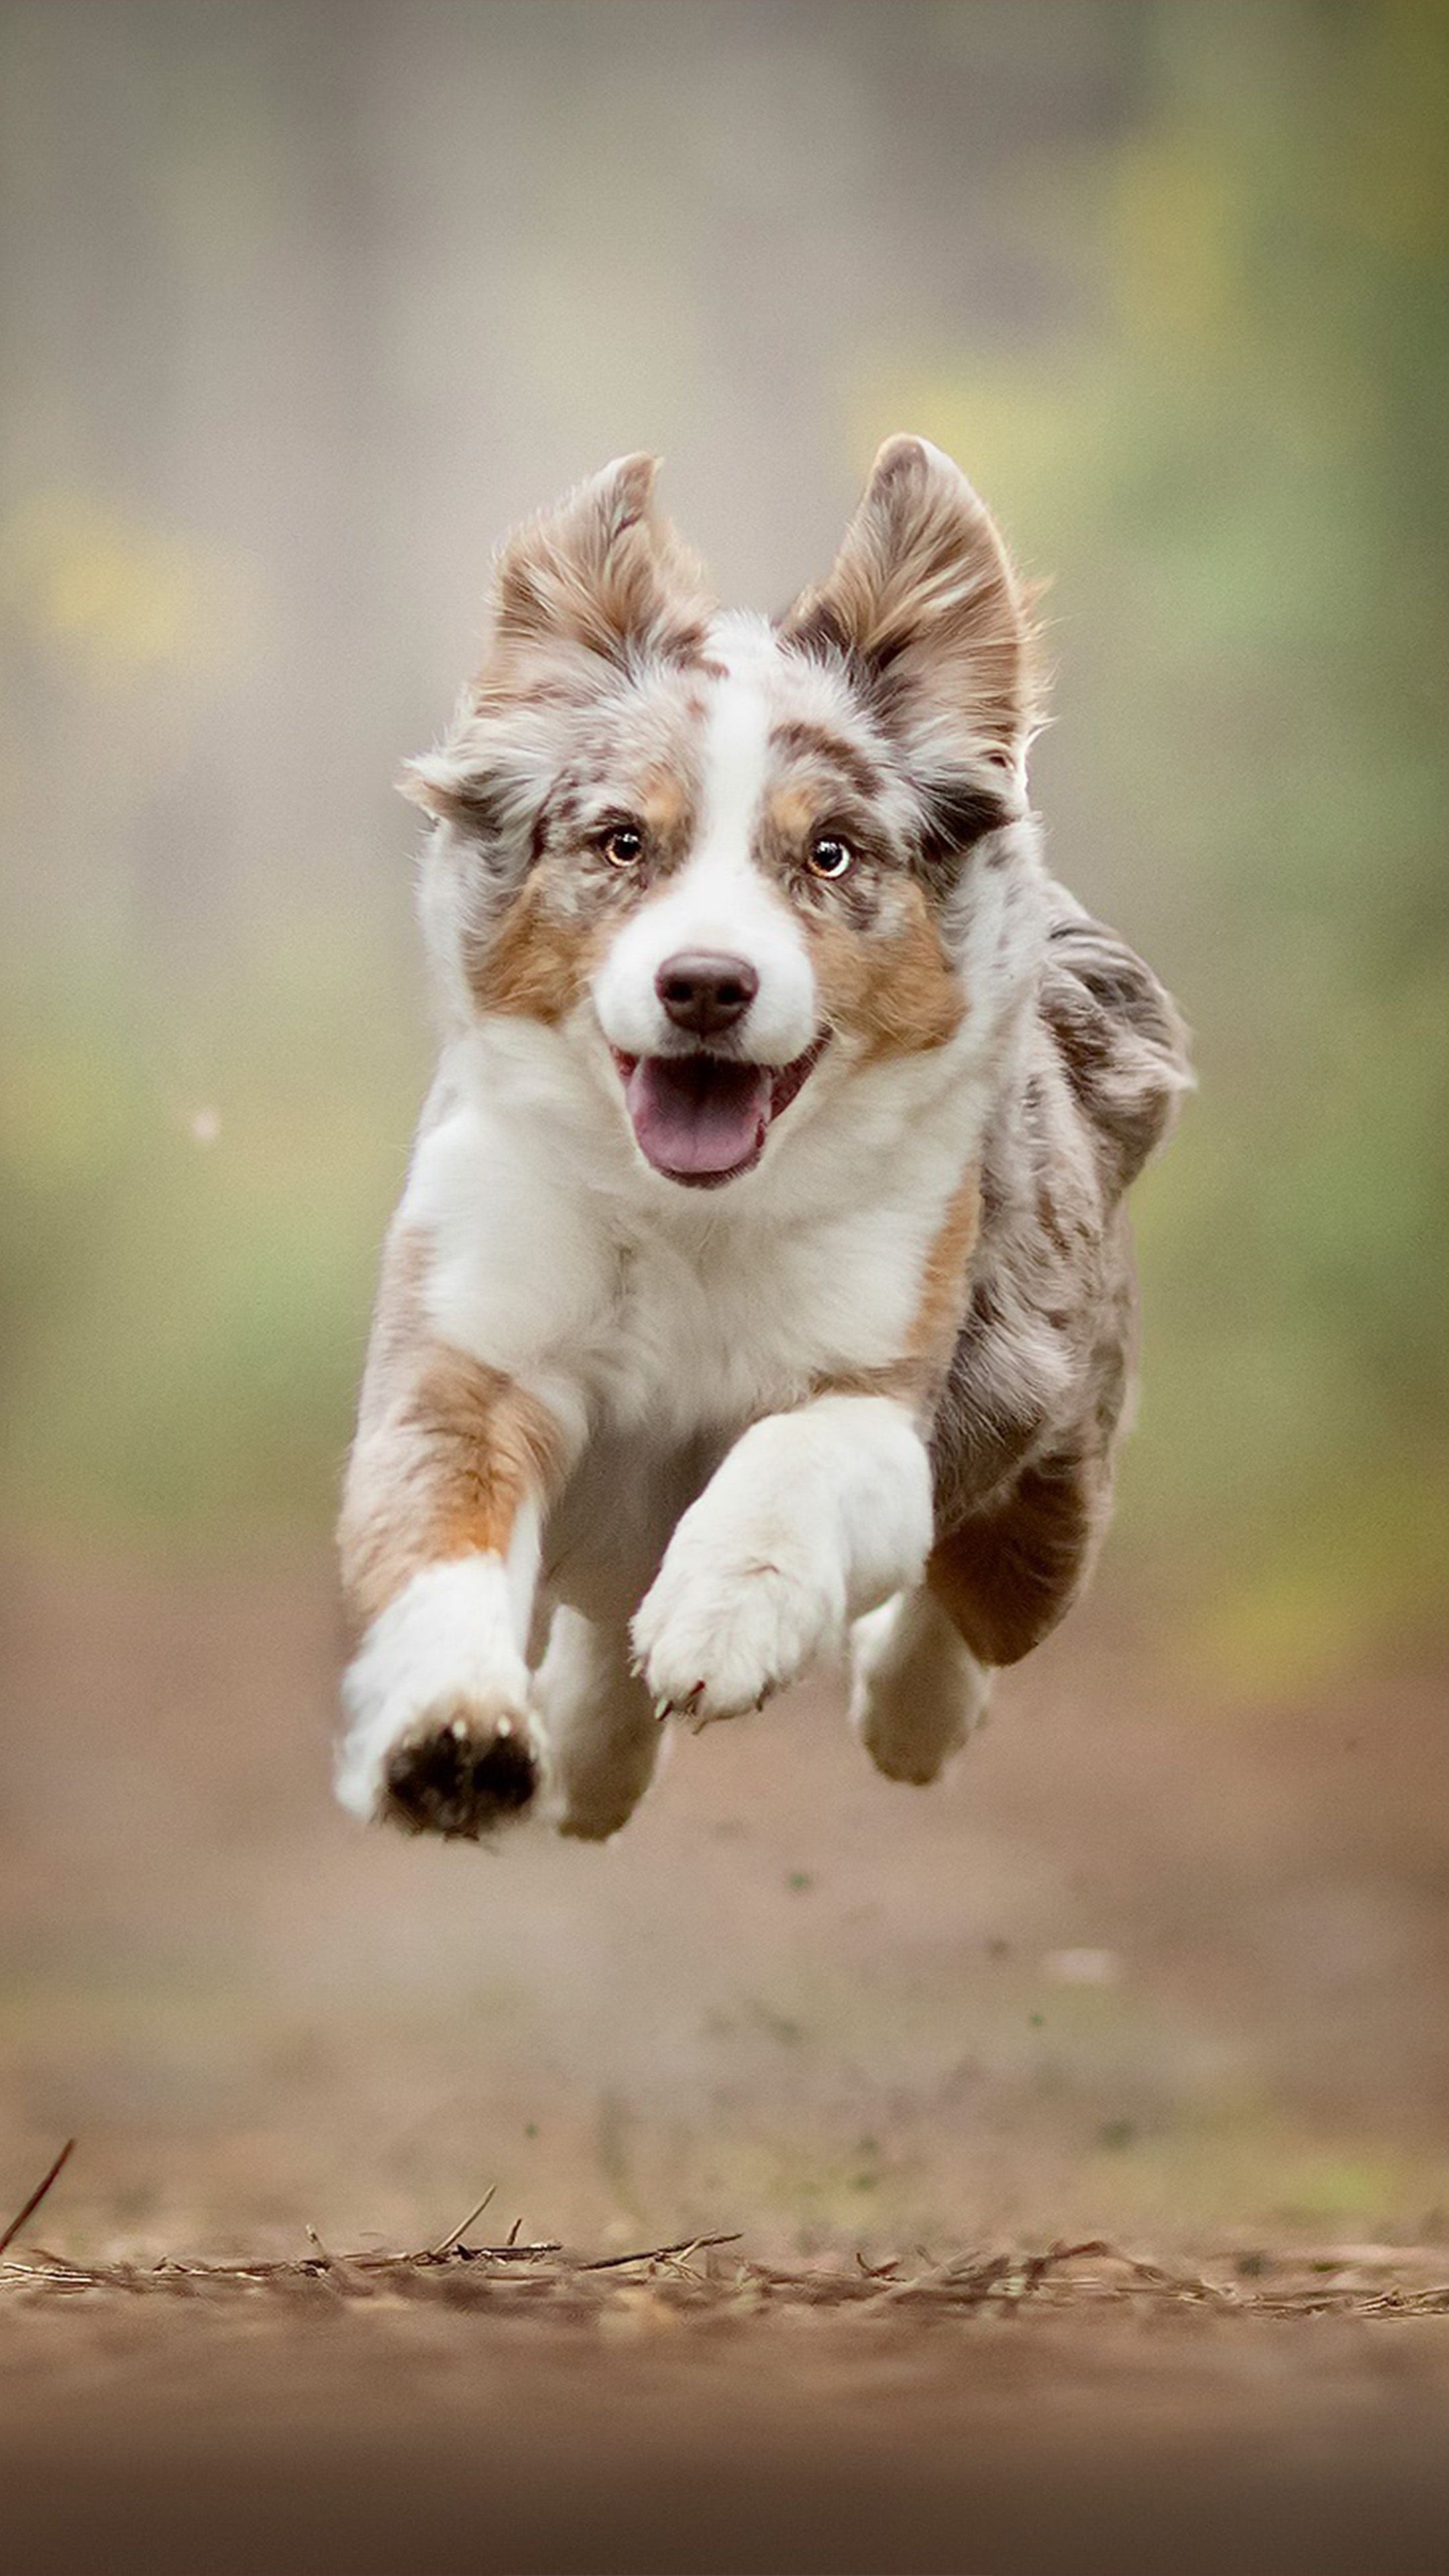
666, 1708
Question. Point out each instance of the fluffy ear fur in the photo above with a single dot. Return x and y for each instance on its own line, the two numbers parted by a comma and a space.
591, 587
924, 604
600, 574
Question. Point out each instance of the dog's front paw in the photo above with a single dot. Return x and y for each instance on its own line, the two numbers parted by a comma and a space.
733, 1617
440, 1739
459, 1775
459, 1768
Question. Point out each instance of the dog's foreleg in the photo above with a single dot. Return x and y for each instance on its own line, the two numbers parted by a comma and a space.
440, 1549
813, 1518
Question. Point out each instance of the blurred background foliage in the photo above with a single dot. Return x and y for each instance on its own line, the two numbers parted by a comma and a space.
302, 306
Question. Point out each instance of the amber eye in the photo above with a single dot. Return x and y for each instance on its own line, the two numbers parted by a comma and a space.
622, 846
830, 857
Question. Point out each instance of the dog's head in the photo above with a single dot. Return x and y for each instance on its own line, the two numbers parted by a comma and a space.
719, 854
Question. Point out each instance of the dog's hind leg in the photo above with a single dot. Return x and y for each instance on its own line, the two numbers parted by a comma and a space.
601, 1735
916, 1688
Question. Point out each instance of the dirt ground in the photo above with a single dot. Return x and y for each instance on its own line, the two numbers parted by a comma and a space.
1148, 1968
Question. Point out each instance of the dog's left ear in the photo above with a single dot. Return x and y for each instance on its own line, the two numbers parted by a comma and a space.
925, 605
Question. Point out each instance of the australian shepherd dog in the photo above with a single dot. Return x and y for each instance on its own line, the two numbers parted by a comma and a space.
761, 1288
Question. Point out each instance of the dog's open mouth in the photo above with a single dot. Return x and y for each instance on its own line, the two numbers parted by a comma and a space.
703, 1119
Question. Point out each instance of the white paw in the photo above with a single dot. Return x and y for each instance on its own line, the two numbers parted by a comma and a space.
736, 1615
440, 1738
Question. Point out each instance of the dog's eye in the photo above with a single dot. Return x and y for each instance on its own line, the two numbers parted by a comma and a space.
622, 846
830, 857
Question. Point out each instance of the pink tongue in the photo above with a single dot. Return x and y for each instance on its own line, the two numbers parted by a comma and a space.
696, 1114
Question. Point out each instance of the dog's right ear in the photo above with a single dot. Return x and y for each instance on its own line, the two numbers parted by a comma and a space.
597, 583
600, 575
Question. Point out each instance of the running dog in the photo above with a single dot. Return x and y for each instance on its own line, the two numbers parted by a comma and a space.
762, 1285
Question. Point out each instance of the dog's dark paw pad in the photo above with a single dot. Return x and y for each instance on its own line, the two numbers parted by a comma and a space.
458, 1782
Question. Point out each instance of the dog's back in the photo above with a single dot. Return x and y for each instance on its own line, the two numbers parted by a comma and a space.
1041, 1372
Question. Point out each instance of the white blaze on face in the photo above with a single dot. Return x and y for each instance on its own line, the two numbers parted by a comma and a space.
720, 903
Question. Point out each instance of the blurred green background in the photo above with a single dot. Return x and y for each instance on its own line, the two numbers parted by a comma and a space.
301, 306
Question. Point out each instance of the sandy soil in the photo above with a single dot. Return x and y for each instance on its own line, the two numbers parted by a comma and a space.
374, 2440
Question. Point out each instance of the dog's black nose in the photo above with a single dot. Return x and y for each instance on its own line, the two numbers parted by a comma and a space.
706, 994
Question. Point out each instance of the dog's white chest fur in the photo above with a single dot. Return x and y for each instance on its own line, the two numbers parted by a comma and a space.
560, 1265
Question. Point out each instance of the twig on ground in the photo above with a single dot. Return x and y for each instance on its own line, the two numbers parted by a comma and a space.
660, 2253
447, 2243
30, 2207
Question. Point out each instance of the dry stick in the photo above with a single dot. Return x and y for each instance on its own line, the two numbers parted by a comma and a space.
875, 2271
38, 2195
1151, 2275
447, 2243
659, 2253
512, 2252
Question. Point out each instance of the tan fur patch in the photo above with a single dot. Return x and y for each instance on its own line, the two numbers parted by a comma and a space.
664, 805
915, 1378
447, 1450
533, 965
794, 812
892, 986
907, 1381
942, 1300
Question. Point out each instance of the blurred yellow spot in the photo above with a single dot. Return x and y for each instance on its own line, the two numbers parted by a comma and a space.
129, 598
